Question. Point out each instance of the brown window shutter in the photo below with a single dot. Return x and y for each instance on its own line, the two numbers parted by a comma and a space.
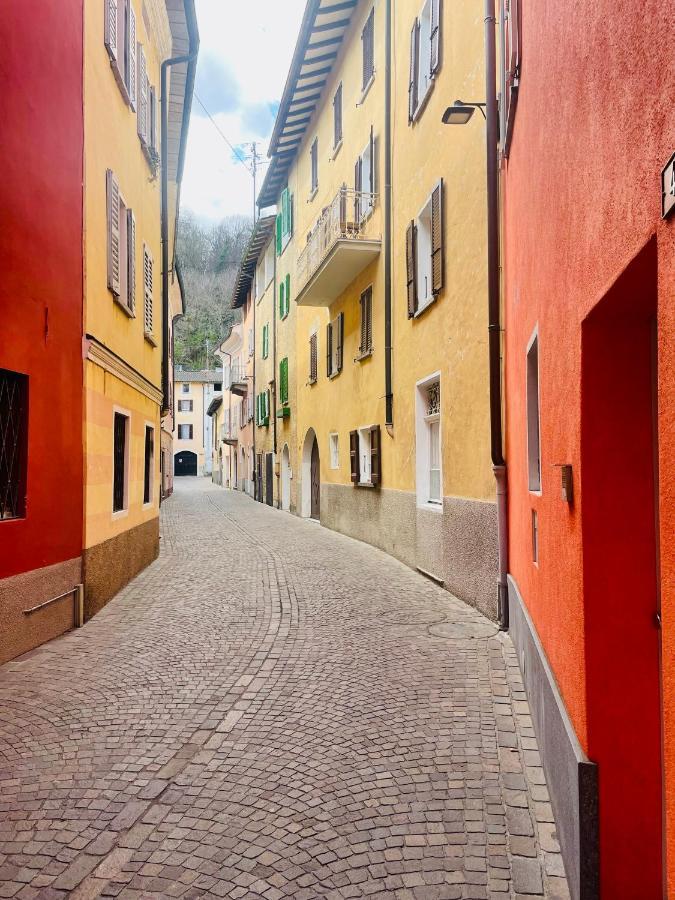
411, 268
312, 358
131, 85
111, 28
363, 346
414, 57
435, 35
131, 257
375, 467
329, 349
369, 319
113, 212
354, 456
142, 113
340, 339
148, 290
437, 238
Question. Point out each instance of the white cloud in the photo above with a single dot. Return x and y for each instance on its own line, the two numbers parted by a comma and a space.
245, 53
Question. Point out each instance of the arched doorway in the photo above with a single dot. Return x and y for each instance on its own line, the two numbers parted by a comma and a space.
185, 463
285, 479
310, 487
235, 475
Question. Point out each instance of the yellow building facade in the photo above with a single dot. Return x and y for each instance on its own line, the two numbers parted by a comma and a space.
125, 310
387, 264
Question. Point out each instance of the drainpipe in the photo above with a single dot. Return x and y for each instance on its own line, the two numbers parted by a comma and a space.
388, 395
255, 396
494, 308
191, 60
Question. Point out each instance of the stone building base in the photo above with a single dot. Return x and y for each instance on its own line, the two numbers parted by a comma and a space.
109, 566
456, 544
21, 631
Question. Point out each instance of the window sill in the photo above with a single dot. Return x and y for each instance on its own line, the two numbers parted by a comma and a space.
312, 381
313, 194
430, 505
120, 514
366, 90
336, 149
364, 484
123, 306
422, 309
334, 374
150, 339
366, 355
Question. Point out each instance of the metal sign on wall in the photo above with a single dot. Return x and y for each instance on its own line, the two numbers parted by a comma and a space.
668, 188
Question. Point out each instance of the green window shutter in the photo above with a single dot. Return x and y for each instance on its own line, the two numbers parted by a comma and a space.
288, 293
278, 234
283, 380
282, 300
284, 212
290, 215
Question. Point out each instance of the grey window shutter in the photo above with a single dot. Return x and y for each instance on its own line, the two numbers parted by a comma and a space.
371, 185
142, 113
411, 268
131, 258
414, 58
364, 332
111, 28
354, 461
375, 462
437, 238
113, 213
340, 339
435, 35
131, 85
329, 349
358, 187
369, 319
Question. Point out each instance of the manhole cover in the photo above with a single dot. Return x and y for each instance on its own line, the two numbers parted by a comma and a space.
467, 630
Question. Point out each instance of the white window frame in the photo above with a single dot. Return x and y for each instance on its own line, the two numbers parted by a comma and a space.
334, 449
366, 206
423, 257
185, 425
533, 414
121, 513
314, 167
423, 444
365, 447
185, 387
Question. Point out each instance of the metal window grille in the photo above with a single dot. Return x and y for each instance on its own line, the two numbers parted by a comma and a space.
119, 461
313, 358
13, 443
147, 471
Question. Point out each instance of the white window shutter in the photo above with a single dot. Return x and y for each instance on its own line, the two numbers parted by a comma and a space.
435, 36
111, 28
147, 290
113, 214
131, 256
132, 74
142, 111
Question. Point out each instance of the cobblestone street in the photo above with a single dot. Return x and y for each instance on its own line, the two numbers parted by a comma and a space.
271, 710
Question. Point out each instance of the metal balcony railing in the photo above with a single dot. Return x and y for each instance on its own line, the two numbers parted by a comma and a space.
346, 218
236, 380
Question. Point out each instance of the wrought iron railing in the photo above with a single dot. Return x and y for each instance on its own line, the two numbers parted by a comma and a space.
235, 375
347, 217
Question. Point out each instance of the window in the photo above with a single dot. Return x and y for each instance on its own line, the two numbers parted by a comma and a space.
368, 47
533, 434
313, 351
185, 432
148, 302
265, 341
218, 386
364, 181
120, 462
121, 244
283, 381
366, 345
337, 117
335, 331
535, 537
185, 406
285, 297
185, 388
314, 162
148, 463
120, 41
364, 455
424, 254
13, 444
284, 221
428, 468
146, 112
425, 44
334, 450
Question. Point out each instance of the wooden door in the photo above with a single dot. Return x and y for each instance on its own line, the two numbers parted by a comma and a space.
315, 481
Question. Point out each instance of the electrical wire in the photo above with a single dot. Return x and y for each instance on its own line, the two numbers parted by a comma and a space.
236, 152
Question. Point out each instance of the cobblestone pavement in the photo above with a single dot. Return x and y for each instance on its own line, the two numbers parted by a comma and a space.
272, 710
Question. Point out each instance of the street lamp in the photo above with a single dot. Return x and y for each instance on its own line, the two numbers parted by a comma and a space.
461, 111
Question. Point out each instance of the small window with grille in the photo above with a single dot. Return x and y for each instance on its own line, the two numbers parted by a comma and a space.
148, 463
13, 444
120, 462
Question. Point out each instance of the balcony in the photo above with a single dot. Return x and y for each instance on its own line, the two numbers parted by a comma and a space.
341, 244
228, 433
236, 380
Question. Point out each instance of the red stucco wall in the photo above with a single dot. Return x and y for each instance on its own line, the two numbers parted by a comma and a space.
595, 123
41, 266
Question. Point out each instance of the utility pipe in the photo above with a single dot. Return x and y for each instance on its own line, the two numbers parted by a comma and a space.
494, 308
388, 393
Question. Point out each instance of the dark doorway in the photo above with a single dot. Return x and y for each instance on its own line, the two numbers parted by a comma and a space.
258, 477
315, 479
185, 463
621, 583
269, 479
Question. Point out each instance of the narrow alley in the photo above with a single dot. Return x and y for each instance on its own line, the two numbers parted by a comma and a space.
272, 709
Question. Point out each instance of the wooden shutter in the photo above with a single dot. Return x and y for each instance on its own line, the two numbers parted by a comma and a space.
339, 337
111, 28
371, 185
411, 268
329, 349
147, 290
282, 302
414, 63
435, 35
312, 358
358, 187
142, 113
152, 117
288, 293
337, 116
369, 319
131, 259
437, 238
368, 40
131, 74
278, 233
113, 212
375, 462
354, 462
362, 348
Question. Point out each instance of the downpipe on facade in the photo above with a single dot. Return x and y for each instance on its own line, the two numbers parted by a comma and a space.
389, 397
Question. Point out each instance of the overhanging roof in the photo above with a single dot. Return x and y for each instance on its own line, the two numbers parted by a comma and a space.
262, 232
184, 39
323, 27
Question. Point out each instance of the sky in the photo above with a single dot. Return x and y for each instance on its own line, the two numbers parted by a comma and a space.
244, 55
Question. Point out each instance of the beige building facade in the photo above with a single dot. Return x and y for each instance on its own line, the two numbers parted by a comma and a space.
193, 439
